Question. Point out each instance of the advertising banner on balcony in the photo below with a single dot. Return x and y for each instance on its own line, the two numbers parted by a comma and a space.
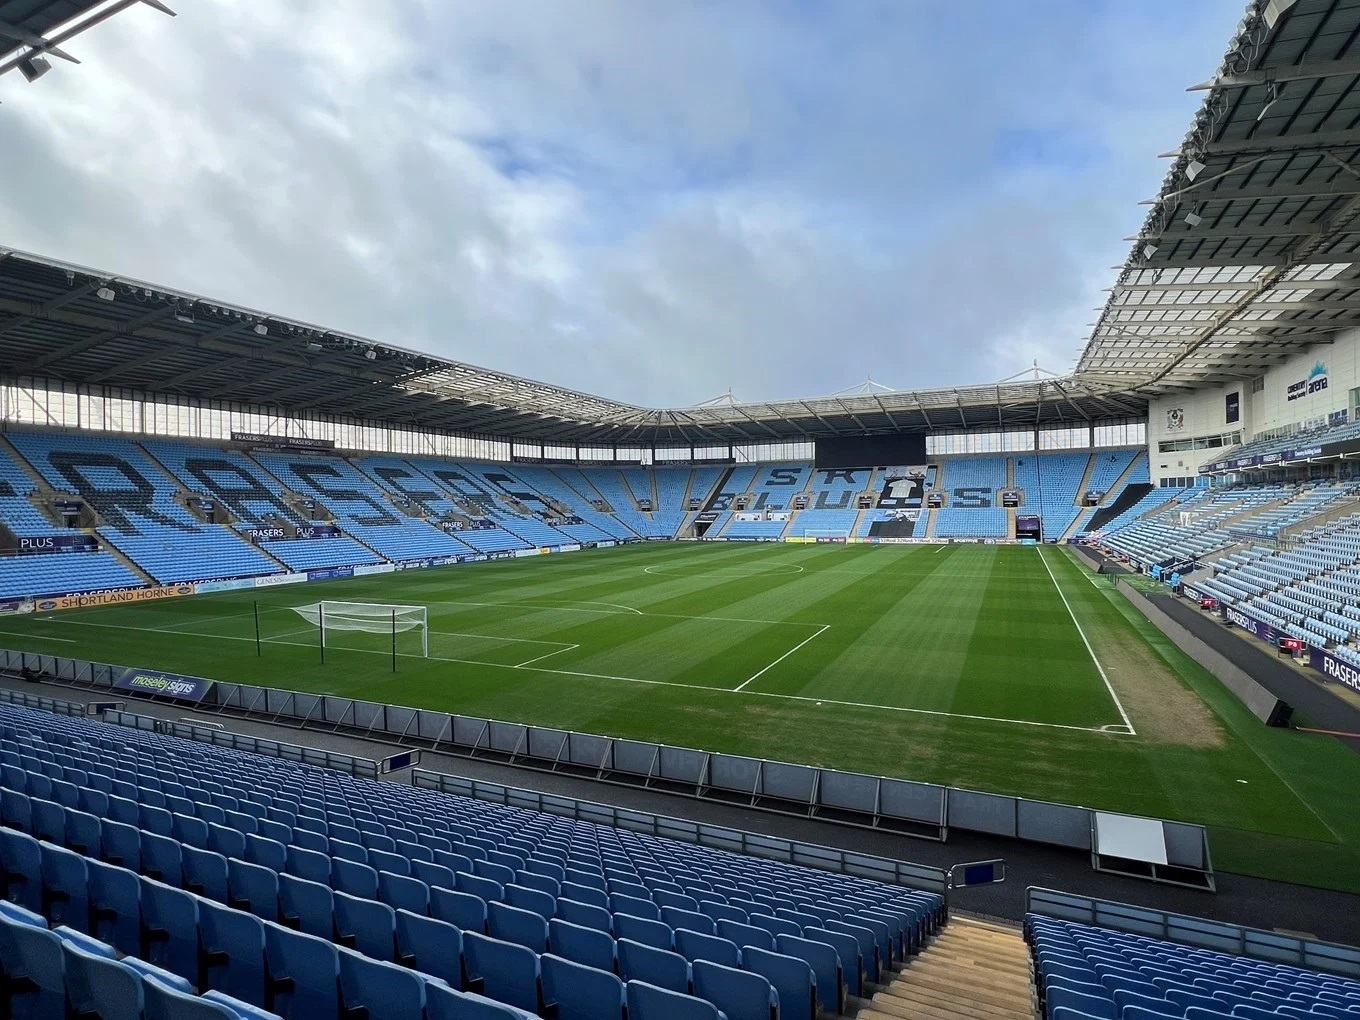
162, 685
113, 598
1332, 668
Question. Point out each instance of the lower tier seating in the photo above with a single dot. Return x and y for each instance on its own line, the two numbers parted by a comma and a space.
307, 893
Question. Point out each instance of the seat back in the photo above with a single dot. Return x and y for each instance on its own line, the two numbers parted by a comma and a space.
170, 928
365, 925
431, 946
304, 972
255, 888
386, 991
792, 978
98, 984
166, 1003
307, 906
587, 915
825, 963
644, 930
741, 994
847, 948
648, 1002
588, 946
511, 924
115, 896
462, 910
660, 967
504, 971
231, 943
693, 945
447, 1004
401, 892
580, 992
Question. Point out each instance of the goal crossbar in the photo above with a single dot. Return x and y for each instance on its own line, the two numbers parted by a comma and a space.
369, 617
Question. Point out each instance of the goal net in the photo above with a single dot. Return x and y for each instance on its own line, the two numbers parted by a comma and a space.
369, 617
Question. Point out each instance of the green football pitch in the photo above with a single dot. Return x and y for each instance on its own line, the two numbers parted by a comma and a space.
1007, 669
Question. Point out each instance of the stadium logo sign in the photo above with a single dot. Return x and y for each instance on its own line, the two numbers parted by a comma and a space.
1307, 451
1175, 419
164, 685
1316, 382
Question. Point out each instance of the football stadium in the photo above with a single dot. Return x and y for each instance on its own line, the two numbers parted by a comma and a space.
343, 679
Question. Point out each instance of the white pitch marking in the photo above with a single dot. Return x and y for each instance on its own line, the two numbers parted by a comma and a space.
1090, 651
540, 658
941, 549
721, 575
39, 637
605, 612
653, 683
800, 644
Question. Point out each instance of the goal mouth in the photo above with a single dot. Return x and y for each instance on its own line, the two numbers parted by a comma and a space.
367, 617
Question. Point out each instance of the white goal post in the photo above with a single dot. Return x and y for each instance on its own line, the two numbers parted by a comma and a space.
834, 535
370, 617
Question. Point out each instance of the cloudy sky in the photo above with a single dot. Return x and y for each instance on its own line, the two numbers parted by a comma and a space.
654, 201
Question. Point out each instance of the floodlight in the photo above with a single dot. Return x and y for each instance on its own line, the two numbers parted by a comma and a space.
1194, 219
1193, 169
312, 345
1149, 250
33, 68
104, 293
261, 329
371, 354
184, 315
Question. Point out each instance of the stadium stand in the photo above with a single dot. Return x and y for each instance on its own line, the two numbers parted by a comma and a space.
136, 508
1049, 484
974, 507
362, 509
1084, 971
267, 881
63, 573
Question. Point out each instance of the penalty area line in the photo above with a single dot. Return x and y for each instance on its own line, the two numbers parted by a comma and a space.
756, 676
540, 658
1089, 650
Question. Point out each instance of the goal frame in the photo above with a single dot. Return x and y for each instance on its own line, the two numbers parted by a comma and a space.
422, 624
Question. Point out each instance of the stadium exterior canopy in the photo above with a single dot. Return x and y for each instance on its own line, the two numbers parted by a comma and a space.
33, 30
1246, 256
1252, 248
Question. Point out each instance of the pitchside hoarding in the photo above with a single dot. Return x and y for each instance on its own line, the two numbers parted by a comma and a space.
1335, 669
162, 685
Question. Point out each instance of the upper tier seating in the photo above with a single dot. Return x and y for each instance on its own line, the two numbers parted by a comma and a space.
135, 502
249, 494
361, 507
269, 861
1086, 972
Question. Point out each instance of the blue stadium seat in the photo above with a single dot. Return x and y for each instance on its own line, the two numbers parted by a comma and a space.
643, 930
825, 963
431, 946
847, 949
746, 935
304, 972
580, 992
99, 985
443, 1003
231, 947
254, 888
587, 915
35, 970
462, 910
205, 873
741, 994
588, 946
166, 1003
511, 924
21, 859
793, 980
401, 892
237, 1008
648, 1002
501, 970
385, 990
307, 906
365, 925
692, 920
661, 967
115, 897
170, 928
693, 945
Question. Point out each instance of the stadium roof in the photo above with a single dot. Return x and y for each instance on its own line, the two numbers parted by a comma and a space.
1251, 250
64, 326
31, 30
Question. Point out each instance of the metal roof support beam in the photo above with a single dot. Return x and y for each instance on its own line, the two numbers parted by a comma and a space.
1321, 189
60, 301
91, 341
154, 356
1346, 66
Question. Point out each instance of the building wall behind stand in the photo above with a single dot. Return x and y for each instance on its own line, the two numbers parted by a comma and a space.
1186, 430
